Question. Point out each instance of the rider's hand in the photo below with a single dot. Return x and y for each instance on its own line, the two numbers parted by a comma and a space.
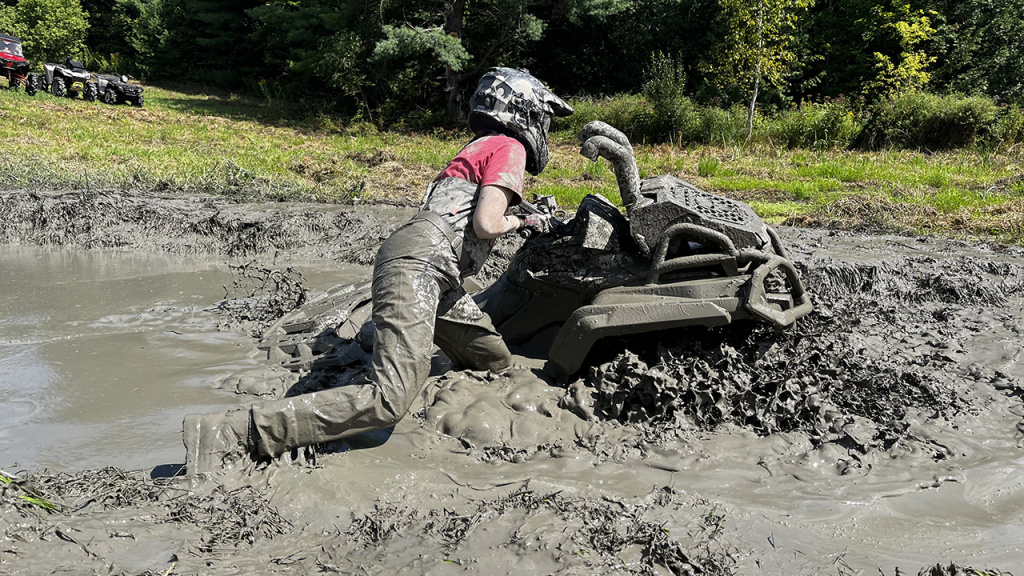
535, 224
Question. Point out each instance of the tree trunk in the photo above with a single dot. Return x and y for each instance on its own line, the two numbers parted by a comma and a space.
453, 19
757, 69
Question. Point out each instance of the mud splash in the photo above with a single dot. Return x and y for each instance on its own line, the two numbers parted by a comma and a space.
880, 435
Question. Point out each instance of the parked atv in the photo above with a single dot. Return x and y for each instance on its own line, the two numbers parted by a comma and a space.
13, 65
680, 257
113, 90
67, 79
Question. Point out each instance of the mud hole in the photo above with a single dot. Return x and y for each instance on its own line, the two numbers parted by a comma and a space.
881, 435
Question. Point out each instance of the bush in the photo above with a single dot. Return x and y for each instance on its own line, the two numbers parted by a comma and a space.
1008, 128
675, 116
629, 113
831, 124
718, 126
916, 121
929, 121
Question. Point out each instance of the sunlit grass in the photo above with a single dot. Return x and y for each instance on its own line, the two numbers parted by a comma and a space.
777, 212
27, 494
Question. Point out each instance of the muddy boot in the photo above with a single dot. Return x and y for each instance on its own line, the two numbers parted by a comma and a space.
217, 441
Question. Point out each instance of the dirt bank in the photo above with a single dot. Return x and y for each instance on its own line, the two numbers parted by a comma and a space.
879, 435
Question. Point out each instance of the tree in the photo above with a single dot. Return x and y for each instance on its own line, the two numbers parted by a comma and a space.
9, 23
51, 29
757, 45
316, 47
111, 40
597, 49
436, 36
905, 71
979, 47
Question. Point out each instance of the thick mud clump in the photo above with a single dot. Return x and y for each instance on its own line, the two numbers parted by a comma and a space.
590, 534
884, 348
189, 225
258, 296
575, 533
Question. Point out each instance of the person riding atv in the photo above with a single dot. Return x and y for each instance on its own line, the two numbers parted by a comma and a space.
679, 257
417, 293
13, 64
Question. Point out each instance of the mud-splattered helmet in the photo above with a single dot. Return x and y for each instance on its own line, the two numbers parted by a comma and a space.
511, 102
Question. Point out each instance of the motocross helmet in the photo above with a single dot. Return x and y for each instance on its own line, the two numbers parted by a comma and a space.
513, 103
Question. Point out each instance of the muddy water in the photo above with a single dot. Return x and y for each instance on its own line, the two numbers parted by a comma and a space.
102, 353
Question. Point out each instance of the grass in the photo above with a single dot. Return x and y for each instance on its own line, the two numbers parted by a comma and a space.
193, 140
29, 496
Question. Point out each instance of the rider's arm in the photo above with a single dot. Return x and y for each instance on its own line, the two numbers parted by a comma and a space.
490, 219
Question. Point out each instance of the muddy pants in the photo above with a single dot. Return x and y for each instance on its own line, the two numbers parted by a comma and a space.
416, 304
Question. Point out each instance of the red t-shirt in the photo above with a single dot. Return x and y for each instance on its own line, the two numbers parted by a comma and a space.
494, 159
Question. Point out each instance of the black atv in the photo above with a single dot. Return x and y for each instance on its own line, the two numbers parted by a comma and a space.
68, 79
14, 66
679, 257
113, 89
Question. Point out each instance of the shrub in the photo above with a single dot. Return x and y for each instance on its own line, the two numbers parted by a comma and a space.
718, 126
708, 167
1008, 128
918, 121
629, 113
830, 124
675, 116
929, 121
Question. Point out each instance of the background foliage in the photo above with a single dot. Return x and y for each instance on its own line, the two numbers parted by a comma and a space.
832, 72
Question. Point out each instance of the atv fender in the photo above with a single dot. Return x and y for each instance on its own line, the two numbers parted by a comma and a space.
591, 323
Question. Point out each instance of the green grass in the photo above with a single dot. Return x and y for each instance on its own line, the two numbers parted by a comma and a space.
708, 167
28, 496
192, 140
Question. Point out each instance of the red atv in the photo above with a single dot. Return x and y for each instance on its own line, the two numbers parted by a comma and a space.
13, 65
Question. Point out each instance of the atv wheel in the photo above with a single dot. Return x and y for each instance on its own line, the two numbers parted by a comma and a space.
92, 92
57, 88
30, 85
110, 97
138, 101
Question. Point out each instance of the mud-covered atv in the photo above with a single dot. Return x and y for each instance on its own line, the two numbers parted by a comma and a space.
13, 65
114, 89
679, 257
69, 78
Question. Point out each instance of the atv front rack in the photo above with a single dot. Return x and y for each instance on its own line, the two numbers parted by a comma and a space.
731, 260
713, 287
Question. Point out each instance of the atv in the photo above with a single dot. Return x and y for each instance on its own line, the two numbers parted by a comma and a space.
13, 65
114, 89
68, 79
679, 257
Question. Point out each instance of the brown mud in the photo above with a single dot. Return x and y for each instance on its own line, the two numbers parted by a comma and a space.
880, 435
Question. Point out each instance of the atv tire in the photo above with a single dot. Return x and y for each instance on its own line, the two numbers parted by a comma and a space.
92, 92
138, 101
110, 97
30, 85
58, 88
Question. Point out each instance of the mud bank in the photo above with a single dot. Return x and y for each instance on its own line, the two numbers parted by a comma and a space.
879, 435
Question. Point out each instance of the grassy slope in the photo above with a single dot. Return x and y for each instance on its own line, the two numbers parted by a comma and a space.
188, 140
